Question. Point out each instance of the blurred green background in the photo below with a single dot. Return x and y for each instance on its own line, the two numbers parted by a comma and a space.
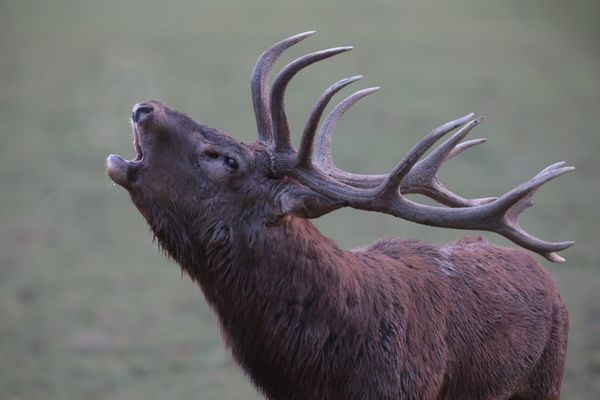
89, 309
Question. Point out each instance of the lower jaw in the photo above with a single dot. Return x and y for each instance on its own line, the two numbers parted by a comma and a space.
118, 169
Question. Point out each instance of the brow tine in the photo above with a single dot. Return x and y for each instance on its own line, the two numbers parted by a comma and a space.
259, 83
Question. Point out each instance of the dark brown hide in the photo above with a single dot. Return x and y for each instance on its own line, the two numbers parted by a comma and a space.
306, 320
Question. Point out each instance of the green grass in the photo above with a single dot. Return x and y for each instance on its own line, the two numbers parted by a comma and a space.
90, 309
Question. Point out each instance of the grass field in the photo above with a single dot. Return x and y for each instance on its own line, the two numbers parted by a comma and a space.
89, 309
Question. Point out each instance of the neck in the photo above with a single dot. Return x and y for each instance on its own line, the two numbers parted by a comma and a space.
271, 289
272, 293
236, 264
239, 266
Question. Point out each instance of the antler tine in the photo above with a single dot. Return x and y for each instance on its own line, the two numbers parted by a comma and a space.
310, 129
259, 84
323, 158
513, 203
392, 183
434, 160
422, 178
551, 167
281, 129
511, 198
464, 146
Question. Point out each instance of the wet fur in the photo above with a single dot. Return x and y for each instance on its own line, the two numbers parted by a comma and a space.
399, 319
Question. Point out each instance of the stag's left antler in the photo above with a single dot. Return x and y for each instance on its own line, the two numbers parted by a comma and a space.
384, 193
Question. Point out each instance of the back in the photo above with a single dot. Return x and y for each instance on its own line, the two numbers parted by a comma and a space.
503, 316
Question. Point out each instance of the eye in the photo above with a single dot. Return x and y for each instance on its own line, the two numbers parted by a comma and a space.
231, 162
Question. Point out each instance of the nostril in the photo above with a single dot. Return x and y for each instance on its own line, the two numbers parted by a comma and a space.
140, 111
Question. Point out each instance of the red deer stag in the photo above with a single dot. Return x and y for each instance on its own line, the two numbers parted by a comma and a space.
399, 319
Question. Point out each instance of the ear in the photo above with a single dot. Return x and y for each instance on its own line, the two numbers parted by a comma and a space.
303, 202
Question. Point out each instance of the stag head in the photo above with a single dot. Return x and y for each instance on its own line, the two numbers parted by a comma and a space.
195, 171
187, 175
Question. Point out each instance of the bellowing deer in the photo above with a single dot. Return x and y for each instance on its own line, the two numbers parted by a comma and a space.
398, 319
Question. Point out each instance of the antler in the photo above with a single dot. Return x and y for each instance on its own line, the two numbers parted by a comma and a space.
384, 193
422, 178
259, 84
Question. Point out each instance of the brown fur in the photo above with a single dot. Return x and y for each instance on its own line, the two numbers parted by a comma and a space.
399, 319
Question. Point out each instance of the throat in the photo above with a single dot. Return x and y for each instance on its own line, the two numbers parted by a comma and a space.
174, 233
241, 269
265, 283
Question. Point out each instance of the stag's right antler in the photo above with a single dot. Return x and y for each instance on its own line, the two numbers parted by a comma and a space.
383, 193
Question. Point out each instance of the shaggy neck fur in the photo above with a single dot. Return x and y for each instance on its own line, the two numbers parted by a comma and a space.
271, 289
397, 319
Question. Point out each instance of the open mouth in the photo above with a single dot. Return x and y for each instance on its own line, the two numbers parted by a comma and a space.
139, 154
120, 170
123, 171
